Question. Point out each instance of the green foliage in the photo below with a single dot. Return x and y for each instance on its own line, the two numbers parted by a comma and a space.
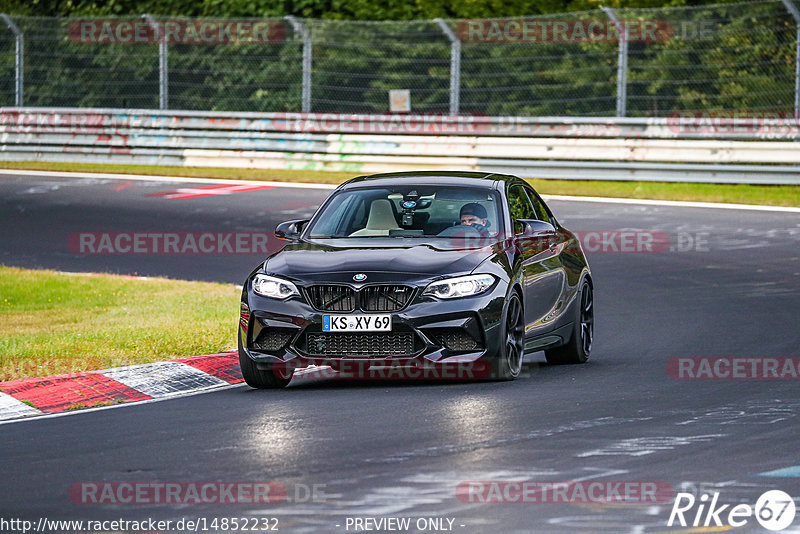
736, 56
327, 9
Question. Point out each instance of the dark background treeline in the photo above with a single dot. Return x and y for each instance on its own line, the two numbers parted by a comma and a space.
327, 9
729, 56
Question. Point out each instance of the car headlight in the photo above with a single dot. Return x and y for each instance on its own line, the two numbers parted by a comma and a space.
462, 286
276, 288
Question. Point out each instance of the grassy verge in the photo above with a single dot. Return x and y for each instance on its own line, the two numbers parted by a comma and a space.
53, 323
768, 195
320, 177
771, 195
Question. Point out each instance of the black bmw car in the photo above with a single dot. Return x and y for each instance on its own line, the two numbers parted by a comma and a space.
419, 272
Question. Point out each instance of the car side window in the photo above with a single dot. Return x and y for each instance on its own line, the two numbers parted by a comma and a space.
519, 205
538, 205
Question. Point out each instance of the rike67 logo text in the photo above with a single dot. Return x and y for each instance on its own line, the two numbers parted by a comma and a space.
774, 510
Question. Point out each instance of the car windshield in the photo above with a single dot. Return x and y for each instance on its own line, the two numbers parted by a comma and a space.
409, 211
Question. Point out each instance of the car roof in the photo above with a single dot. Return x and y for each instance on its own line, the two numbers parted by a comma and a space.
460, 178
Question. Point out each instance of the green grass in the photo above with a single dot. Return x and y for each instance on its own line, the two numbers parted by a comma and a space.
772, 195
768, 195
53, 323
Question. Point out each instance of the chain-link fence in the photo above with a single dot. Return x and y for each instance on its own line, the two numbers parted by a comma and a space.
740, 56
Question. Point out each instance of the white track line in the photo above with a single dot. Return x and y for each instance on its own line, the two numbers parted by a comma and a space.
302, 185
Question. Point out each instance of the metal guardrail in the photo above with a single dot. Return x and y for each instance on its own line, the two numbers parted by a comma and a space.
715, 126
682, 150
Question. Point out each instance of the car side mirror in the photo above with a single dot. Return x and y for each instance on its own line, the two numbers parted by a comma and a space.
533, 228
290, 230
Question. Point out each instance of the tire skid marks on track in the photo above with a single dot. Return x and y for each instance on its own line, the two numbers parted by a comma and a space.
513, 438
752, 412
648, 445
414, 494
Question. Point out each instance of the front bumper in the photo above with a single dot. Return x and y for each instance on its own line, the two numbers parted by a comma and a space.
428, 333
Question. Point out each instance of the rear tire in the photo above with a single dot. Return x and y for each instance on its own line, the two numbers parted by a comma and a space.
508, 363
579, 345
262, 379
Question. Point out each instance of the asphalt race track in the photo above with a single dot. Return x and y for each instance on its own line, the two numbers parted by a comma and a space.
727, 286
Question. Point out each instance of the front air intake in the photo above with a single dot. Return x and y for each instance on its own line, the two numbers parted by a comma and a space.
360, 344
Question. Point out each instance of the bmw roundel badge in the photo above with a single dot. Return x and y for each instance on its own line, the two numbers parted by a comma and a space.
360, 277
408, 204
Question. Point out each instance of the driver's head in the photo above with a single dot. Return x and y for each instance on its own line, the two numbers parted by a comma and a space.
473, 213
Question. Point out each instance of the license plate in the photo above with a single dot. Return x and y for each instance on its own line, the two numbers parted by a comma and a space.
357, 323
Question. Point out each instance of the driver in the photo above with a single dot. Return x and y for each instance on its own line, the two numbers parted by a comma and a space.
473, 214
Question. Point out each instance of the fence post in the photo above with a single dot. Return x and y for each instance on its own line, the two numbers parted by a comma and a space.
19, 60
455, 66
298, 27
163, 65
622, 61
796, 14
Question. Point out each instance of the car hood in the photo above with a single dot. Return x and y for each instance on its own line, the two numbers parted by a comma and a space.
380, 259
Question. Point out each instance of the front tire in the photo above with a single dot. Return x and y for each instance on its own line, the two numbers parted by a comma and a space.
579, 346
508, 363
262, 379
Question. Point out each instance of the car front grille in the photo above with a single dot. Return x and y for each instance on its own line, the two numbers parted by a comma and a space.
384, 298
372, 298
360, 344
332, 298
